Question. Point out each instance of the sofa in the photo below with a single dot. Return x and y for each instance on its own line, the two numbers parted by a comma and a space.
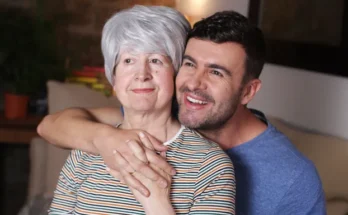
329, 154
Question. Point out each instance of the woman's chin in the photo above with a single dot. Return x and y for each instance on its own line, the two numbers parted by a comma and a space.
142, 108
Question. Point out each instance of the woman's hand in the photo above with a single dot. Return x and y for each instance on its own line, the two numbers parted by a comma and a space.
158, 203
134, 155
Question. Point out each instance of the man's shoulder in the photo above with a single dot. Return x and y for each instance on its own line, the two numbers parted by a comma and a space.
275, 174
276, 148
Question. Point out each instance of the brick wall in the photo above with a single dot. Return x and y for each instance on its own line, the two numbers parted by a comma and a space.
79, 23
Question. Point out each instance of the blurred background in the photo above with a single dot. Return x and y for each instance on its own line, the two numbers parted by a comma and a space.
305, 80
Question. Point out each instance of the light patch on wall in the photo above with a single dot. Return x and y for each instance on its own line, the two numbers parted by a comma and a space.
195, 10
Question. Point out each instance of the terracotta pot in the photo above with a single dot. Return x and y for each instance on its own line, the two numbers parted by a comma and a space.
16, 106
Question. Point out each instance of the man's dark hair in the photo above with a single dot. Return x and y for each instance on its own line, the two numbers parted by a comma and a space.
230, 26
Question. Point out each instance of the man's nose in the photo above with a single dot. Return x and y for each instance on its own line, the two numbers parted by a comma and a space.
197, 81
144, 73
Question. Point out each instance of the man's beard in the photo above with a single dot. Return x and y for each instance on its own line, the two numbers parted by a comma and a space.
215, 118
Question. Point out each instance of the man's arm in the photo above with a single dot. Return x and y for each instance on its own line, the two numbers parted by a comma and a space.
79, 128
93, 130
305, 196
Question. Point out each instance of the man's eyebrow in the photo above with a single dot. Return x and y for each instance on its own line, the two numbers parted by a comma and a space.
188, 57
216, 66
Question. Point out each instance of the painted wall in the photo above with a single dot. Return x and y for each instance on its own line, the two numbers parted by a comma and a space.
203, 8
307, 99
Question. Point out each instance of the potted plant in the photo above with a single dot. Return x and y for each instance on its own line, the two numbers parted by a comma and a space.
28, 58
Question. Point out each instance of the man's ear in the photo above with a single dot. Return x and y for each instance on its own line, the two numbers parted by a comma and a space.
249, 90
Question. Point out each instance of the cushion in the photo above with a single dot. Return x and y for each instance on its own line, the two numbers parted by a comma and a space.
67, 95
38, 205
329, 154
56, 159
337, 206
60, 97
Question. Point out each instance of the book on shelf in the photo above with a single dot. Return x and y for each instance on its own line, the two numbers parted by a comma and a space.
92, 77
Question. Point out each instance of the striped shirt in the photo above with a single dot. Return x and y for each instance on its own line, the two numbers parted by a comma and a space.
204, 182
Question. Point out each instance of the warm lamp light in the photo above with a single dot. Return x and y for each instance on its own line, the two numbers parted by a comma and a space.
195, 10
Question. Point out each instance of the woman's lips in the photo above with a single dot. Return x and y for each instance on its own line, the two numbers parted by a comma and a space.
143, 90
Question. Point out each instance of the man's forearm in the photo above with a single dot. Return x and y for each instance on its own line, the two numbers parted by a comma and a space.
94, 131
73, 128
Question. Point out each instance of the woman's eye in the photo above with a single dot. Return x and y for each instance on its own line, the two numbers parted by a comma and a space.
156, 61
127, 60
215, 72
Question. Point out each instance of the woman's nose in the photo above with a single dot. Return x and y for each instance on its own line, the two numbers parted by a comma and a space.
144, 73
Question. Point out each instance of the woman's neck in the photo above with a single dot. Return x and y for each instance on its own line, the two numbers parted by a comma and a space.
160, 125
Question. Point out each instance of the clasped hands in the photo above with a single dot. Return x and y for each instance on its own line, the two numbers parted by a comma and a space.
131, 157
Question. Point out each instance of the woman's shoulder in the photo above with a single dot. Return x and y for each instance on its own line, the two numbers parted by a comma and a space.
192, 143
81, 158
192, 137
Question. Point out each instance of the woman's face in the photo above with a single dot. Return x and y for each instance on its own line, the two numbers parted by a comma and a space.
144, 82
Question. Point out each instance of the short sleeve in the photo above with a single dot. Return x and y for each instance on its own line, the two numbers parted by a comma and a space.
215, 189
305, 196
65, 195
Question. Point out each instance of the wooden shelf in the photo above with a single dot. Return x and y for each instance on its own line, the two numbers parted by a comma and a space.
18, 130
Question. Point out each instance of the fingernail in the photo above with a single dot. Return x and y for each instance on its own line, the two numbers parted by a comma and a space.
141, 134
173, 172
114, 152
163, 183
144, 192
107, 169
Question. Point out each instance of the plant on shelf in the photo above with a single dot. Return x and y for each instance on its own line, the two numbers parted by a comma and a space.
28, 56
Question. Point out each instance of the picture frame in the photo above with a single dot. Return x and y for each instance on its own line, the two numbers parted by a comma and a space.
289, 42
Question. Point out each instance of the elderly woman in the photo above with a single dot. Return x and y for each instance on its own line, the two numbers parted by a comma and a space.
142, 48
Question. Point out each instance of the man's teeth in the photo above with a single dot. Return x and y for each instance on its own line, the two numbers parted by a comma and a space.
196, 101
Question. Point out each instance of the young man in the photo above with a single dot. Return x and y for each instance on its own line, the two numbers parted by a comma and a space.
219, 76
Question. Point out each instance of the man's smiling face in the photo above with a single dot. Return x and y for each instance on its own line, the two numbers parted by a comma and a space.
209, 83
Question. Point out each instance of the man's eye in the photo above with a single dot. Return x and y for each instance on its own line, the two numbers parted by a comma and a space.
215, 72
189, 64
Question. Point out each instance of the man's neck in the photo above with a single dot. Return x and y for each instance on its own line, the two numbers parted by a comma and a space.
241, 128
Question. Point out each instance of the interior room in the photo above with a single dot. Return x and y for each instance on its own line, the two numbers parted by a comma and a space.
50, 59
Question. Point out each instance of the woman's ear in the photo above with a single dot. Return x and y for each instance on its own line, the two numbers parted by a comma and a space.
249, 91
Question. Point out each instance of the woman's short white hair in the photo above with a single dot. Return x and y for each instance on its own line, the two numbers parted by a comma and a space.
144, 29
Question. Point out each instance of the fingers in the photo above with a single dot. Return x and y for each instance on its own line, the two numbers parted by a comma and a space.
146, 141
122, 164
157, 145
143, 167
130, 181
133, 183
163, 154
116, 174
138, 166
137, 150
160, 162
148, 172
128, 163
165, 175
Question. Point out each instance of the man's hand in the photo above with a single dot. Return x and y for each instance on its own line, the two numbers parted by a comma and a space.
134, 155
93, 130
